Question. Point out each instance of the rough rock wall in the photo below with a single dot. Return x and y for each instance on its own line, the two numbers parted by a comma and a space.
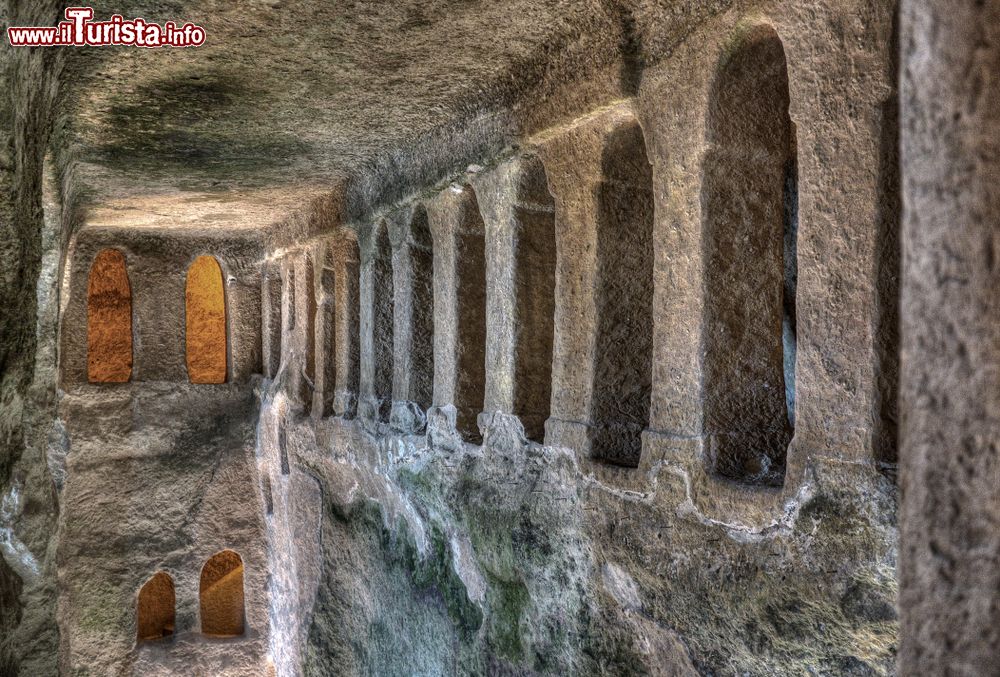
950, 399
509, 559
29, 227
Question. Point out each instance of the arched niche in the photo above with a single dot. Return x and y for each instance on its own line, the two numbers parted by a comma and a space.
624, 300
221, 595
421, 260
750, 208
205, 315
470, 281
155, 608
535, 284
109, 319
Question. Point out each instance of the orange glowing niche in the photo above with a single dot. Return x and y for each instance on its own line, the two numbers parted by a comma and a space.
155, 612
221, 595
109, 320
205, 298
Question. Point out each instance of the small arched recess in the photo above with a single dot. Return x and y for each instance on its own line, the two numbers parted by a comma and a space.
109, 319
221, 595
205, 320
155, 608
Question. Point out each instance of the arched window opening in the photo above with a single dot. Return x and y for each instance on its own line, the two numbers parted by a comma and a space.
205, 299
155, 610
750, 206
109, 319
421, 248
221, 595
470, 278
624, 300
535, 285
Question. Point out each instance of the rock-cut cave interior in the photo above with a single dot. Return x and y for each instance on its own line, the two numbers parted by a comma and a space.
501, 337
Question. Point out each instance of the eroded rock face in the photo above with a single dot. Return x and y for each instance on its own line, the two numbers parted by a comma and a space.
470, 391
950, 364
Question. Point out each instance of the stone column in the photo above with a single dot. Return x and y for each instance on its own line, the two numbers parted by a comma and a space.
325, 344
459, 306
572, 157
347, 347
518, 213
376, 324
303, 374
270, 318
413, 320
243, 308
287, 308
950, 365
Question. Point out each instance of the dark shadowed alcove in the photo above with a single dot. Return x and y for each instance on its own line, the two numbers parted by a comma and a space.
888, 258
422, 318
205, 306
221, 595
750, 208
109, 320
535, 285
624, 300
470, 277
155, 608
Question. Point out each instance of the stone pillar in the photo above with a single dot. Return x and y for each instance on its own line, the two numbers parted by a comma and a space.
270, 318
287, 309
243, 308
325, 343
303, 365
413, 320
376, 324
459, 306
573, 165
518, 213
347, 348
950, 313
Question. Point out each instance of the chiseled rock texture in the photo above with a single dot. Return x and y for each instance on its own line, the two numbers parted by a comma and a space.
951, 387
467, 424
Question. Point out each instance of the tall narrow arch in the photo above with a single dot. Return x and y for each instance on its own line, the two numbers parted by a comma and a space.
205, 314
156, 608
624, 300
470, 280
413, 273
109, 319
535, 284
750, 209
221, 595
382, 302
419, 255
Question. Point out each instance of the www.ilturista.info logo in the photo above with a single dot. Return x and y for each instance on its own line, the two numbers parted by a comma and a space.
80, 31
